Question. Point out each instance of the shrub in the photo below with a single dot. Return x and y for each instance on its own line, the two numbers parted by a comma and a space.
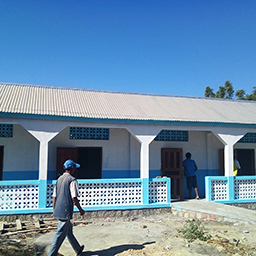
193, 230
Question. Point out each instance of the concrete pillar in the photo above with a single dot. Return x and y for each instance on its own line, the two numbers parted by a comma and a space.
144, 155
229, 137
44, 138
145, 135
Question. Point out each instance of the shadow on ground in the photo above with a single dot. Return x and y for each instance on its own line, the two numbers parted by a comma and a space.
116, 249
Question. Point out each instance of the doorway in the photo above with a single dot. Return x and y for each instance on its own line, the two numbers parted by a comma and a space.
171, 166
89, 158
246, 159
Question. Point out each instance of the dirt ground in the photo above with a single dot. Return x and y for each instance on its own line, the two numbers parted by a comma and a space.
152, 236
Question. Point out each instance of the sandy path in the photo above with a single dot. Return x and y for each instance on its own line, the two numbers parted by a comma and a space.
155, 235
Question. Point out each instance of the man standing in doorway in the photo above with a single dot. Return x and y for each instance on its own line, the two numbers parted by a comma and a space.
190, 168
64, 197
237, 166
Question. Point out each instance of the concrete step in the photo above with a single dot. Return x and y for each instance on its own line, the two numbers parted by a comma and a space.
205, 210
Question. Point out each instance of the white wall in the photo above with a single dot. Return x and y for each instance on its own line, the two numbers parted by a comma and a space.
115, 151
120, 152
21, 152
197, 145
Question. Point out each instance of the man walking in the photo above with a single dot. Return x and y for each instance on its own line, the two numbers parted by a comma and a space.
64, 197
190, 168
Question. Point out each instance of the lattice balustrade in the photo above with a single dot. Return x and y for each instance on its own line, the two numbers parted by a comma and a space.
157, 192
244, 188
218, 189
19, 197
119, 193
105, 193
49, 192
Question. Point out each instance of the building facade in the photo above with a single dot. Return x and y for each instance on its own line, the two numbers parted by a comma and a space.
121, 136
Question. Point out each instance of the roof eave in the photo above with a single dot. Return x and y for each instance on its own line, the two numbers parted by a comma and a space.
126, 121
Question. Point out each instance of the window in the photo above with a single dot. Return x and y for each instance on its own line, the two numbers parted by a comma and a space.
168, 135
85, 133
6, 130
248, 138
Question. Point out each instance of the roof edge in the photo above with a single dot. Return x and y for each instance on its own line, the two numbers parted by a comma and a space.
119, 92
124, 121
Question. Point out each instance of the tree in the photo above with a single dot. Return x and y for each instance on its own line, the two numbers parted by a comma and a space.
229, 91
240, 94
209, 92
221, 92
251, 96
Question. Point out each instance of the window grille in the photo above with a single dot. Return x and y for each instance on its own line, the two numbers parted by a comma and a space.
6, 130
85, 133
249, 137
168, 135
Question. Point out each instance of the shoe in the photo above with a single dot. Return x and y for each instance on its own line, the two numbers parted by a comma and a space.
80, 251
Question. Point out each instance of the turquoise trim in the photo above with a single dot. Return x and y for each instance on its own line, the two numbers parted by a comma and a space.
145, 189
207, 189
108, 180
42, 195
230, 189
42, 189
133, 121
19, 182
231, 192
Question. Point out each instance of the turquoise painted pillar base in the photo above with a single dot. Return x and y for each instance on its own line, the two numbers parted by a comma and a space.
42, 197
208, 188
145, 191
231, 191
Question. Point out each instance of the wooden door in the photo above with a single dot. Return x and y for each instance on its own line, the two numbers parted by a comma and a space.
171, 166
64, 154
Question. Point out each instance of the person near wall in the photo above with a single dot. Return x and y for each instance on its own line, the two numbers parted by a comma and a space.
237, 166
190, 168
64, 197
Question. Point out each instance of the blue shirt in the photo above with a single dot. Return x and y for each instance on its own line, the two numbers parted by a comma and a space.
190, 167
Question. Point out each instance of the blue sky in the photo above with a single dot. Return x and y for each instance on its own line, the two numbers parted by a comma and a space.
160, 47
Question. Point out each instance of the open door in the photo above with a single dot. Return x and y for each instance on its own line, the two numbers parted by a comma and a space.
89, 158
64, 154
245, 158
171, 166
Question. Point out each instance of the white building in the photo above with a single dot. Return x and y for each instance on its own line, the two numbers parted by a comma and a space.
121, 135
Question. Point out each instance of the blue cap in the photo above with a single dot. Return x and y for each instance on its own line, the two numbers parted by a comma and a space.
70, 163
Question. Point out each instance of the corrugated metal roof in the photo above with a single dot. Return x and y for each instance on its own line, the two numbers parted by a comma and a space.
67, 102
